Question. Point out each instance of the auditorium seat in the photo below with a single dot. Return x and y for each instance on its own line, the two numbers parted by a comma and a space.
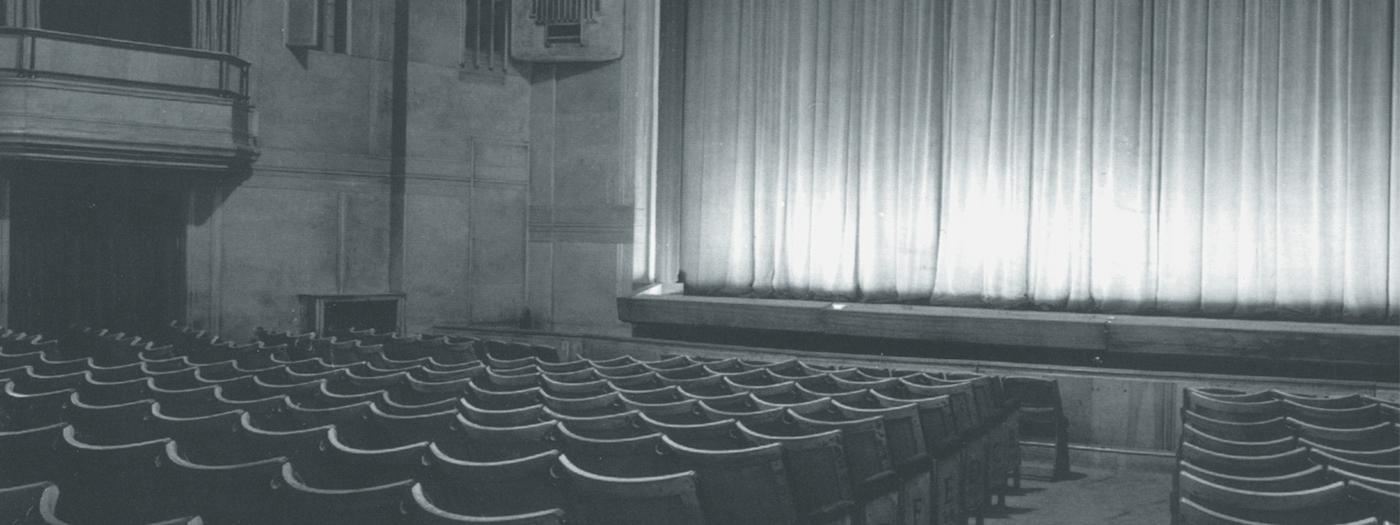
117, 373
942, 442
1252, 431
784, 394
222, 493
486, 397
337, 464
1387, 472
791, 369
111, 424
164, 364
1268, 465
584, 375
1379, 435
202, 438
972, 452
758, 379
908, 454
512, 378
252, 443
678, 426
626, 456
417, 392
1211, 442
612, 362
474, 442
741, 407
379, 429
31, 455
182, 387
393, 408
1321, 401
20, 411
621, 425
622, 369
304, 503
353, 382
323, 397
250, 404
34, 503
729, 366
739, 481
1378, 456
575, 389
659, 396
1385, 503
682, 412
670, 363
509, 487
597, 499
427, 513
500, 417
816, 469
1341, 473
564, 367
686, 375
183, 378
1231, 410
710, 387
119, 483
638, 383
1359, 416
112, 393
507, 363
867, 459
447, 373
291, 416
32, 382
599, 405
1308, 477
828, 385
1326, 504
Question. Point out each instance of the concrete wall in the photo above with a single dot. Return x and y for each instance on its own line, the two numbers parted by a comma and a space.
314, 215
584, 123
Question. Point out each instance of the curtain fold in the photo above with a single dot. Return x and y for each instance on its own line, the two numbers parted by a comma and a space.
1224, 158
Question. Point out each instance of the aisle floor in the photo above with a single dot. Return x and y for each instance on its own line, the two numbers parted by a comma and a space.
1089, 497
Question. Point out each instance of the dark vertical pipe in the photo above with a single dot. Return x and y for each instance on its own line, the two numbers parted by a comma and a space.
398, 146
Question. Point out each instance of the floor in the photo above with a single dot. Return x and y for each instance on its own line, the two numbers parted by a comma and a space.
1090, 496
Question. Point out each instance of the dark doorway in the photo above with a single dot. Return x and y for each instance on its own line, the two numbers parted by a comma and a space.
96, 245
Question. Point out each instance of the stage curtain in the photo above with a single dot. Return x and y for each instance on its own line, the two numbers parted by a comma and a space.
1222, 158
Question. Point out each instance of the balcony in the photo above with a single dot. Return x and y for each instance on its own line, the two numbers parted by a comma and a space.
85, 98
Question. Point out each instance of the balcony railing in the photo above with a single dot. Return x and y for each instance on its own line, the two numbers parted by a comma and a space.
37, 53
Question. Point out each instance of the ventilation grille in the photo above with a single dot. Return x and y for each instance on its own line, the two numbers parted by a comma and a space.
555, 12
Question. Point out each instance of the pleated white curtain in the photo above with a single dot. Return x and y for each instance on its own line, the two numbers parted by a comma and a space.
1222, 157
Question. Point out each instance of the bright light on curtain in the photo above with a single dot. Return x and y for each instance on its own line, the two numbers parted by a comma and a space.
1224, 157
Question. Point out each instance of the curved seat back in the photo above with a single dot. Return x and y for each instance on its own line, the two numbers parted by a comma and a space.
512, 486
303, 503
816, 468
598, 499
740, 485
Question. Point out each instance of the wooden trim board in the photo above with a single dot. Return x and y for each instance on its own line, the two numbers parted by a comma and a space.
1369, 345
